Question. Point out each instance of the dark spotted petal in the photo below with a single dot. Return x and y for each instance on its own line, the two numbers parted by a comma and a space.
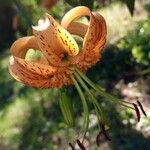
94, 35
55, 41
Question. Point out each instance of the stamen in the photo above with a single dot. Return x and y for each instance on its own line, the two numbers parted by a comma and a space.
101, 91
72, 147
141, 107
85, 106
104, 132
137, 112
94, 100
80, 145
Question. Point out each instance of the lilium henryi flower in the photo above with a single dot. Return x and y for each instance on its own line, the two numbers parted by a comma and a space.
55, 41
53, 70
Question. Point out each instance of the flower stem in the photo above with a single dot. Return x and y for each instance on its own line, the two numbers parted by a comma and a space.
95, 102
85, 106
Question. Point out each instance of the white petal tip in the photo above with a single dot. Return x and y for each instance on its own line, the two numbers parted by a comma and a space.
11, 60
43, 24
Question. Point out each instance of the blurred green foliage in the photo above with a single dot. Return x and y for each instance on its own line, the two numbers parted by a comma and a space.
138, 43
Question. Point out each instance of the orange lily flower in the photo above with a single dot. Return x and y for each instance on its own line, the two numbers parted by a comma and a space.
55, 42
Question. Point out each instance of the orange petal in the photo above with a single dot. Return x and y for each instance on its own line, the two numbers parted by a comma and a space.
55, 41
95, 36
79, 29
41, 69
36, 73
97, 26
19, 50
21, 46
73, 14
36, 78
96, 32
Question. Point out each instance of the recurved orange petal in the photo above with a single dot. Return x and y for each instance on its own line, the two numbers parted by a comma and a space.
22, 45
95, 36
36, 77
55, 41
37, 73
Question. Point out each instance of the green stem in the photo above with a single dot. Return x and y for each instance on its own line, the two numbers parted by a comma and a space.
96, 104
113, 98
85, 106
101, 91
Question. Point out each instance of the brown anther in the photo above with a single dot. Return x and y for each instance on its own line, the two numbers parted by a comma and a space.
104, 132
137, 112
142, 109
72, 147
80, 145
98, 138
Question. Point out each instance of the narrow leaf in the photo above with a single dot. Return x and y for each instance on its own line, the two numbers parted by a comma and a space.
66, 106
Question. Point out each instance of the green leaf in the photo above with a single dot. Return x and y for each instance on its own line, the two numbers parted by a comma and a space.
85, 105
66, 107
130, 4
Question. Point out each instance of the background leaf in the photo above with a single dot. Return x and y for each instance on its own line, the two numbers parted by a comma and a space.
88, 3
73, 2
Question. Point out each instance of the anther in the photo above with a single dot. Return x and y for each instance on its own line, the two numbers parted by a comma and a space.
104, 132
137, 112
80, 145
72, 147
141, 107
